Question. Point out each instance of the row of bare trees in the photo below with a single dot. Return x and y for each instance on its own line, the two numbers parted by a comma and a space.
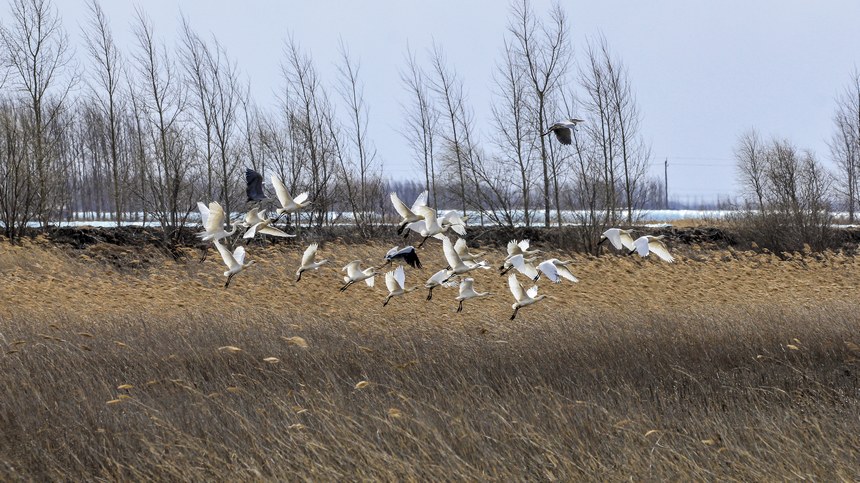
520, 176
144, 131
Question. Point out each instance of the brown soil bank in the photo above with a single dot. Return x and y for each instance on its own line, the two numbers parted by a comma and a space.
119, 362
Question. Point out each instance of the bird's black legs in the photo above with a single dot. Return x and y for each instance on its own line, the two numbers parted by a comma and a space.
422, 242
299, 276
205, 252
513, 316
229, 277
347, 284
430, 293
386, 301
460, 307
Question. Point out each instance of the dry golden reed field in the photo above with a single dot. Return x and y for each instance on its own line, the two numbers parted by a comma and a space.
121, 363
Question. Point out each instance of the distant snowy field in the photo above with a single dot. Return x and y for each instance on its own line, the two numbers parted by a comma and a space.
651, 218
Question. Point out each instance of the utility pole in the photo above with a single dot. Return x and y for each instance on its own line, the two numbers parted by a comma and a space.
666, 183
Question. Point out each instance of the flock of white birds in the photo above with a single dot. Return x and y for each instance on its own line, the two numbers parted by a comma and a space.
424, 221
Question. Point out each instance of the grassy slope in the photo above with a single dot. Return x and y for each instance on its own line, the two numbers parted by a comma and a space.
726, 364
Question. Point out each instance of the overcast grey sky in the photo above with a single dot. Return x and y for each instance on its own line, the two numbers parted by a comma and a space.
703, 72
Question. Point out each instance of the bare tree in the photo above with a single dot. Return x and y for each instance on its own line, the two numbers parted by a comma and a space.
449, 89
421, 124
310, 111
106, 89
614, 129
39, 52
795, 196
162, 102
845, 143
750, 155
515, 129
362, 197
544, 50
17, 193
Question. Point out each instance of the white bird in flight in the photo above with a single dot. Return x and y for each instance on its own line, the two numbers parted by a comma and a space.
646, 244
427, 227
620, 239
309, 262
396, 282
563, 130
213, 222
522, 296
458, 266
438, 280
235, 261
467, 291
451, 220
355, 274
523, 265
520, 247
555, 270
288, 204
463, 250
256, 221
406, 255
408, 215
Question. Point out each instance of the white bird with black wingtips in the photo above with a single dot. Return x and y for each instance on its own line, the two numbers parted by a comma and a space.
406, 255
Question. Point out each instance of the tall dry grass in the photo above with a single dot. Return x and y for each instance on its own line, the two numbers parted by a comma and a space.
732, 393
120, 363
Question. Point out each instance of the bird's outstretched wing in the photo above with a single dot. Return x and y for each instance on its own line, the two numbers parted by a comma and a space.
309, 255
204, 213
450, 254
421, 200
225, 254
460, 247
239, 255
400, 206
525, 268
660, 250
411, 258
437, 278
390, 282
563, 135
216, 217
625, 239
301, 198
515, 287
254, 181
614, 237
272, 231
281, 192
400, 276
